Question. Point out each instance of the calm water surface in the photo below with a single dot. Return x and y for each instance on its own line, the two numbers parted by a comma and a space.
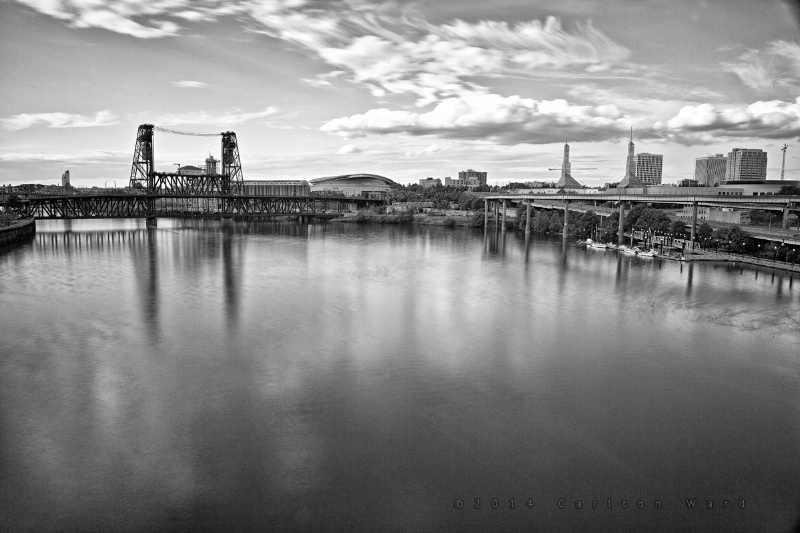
278, 376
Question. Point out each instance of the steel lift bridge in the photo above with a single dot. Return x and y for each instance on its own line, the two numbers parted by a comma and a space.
229, 181
173, 194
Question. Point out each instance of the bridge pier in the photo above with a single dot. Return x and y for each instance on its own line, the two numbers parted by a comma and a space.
785, 221
527, 218
621, 228
486, 213
566, 216
496, 213
694, 220
151, 222
504, 216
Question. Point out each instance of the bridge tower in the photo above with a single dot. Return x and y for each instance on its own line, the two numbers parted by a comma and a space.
231, 164
142, 169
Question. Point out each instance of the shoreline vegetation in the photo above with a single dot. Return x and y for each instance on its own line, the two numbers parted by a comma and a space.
731, 244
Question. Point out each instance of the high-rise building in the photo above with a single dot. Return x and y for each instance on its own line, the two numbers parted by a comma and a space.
211, 165
648, 168
471, 178
709, 170
65, 179
746, 164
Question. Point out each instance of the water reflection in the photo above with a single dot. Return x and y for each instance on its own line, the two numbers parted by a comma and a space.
689, 278
243, 370
147, 267
527, 249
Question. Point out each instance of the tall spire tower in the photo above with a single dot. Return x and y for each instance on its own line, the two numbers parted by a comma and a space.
630, 179
630, 167
566, 168
567, 181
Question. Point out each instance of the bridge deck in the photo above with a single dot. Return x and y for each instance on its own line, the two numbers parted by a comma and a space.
773, 202
182, 205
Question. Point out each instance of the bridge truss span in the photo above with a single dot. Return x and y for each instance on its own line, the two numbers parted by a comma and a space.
285, 205
172, 184
117, 206
185, 205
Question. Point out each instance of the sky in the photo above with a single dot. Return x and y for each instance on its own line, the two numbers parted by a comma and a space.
404, 89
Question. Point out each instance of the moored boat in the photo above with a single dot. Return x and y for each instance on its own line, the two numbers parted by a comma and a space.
600, 245
648, 253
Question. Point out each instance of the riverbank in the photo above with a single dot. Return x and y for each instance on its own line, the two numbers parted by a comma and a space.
739, 258
17, 232
408, 218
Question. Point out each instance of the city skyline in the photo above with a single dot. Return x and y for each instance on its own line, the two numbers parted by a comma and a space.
406, 90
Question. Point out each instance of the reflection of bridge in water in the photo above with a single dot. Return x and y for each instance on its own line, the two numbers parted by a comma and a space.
182, 249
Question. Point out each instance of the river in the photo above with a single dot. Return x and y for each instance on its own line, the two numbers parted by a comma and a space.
218, 375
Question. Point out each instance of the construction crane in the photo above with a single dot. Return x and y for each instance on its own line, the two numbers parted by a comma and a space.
783, 165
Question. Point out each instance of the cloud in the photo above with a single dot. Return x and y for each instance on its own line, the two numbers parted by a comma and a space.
387, 47
535, 44
704, 123
492, 117
317, 82
778, 65
349, 149
188, 84
84, 156
495, 119
116, 16
430, 149
445, 59
211, 119
58, 120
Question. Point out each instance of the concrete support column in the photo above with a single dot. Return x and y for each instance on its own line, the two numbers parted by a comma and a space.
694, 219
566, 215
528, 218
785, 222
621, 230
485, 213
496, 212
151, 222
504, 215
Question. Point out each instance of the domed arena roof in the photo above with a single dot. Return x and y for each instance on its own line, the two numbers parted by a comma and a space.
353, 179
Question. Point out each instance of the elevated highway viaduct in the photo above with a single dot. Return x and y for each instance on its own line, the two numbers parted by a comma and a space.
783, 204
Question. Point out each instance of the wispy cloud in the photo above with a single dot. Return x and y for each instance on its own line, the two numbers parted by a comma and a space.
386, 47
443, 61
213, 119
82, 156
188, 84
430, 149
116, 16
777, 65
58, 120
